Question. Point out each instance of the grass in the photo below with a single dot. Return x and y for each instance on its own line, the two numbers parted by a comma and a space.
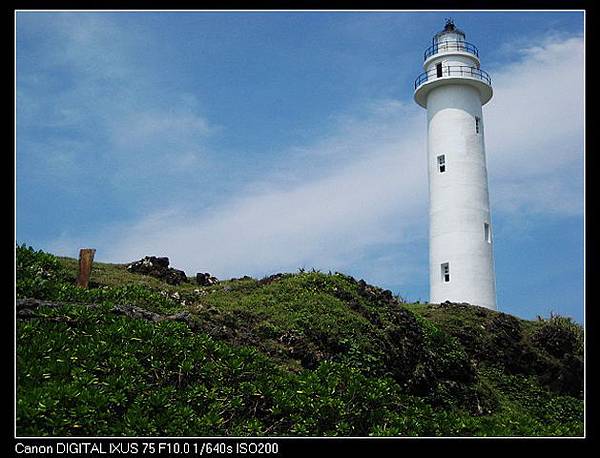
107, 274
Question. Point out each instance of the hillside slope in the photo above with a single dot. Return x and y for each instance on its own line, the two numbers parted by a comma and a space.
292, 354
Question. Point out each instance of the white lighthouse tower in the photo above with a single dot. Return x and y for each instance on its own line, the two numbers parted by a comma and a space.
453, 89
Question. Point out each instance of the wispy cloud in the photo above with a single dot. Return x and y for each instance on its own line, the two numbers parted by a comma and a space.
534, 132
325, 222
104, 104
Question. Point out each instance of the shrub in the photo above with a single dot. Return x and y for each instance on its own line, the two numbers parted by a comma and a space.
39, 274
559, 335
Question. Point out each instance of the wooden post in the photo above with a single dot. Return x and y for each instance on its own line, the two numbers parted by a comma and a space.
86, 258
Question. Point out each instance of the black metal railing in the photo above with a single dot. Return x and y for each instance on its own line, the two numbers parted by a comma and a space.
453, 70
454, 45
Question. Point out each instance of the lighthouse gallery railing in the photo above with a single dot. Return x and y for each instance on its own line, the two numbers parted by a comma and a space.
455, 45
453, 70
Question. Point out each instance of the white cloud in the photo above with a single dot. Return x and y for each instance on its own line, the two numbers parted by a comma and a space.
534, 133
155, 142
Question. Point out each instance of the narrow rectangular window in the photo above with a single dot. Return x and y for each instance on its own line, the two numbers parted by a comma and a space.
487, 234
446, 272
477, 125
438, 68
441, 159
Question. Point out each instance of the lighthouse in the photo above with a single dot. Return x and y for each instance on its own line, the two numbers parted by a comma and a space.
453, 90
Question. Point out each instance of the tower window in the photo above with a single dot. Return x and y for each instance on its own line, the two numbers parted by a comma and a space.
477, 125
438, 69
441, 160
487, 233
446, 272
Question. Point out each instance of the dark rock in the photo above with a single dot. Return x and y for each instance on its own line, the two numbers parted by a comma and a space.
30, 304
205, 279
162, 262
175, 276
245, 277
271, 278
159, 268
375, 294
25, 313
133, 311
179, 316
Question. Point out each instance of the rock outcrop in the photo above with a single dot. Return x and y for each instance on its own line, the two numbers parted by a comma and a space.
159, 268
205, 279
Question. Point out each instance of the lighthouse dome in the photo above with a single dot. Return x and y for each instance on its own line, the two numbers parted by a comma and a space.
449, 33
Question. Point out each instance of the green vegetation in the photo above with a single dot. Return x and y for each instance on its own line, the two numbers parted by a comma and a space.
307, 354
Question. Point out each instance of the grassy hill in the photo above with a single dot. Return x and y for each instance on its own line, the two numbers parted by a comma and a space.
303, 354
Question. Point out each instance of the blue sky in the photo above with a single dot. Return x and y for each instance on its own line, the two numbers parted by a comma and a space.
256, 142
